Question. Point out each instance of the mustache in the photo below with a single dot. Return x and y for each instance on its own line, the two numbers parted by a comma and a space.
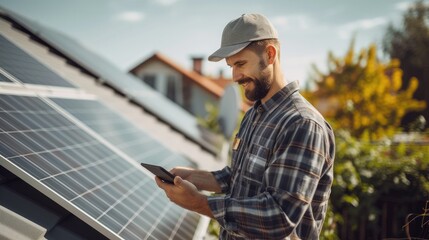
244, 80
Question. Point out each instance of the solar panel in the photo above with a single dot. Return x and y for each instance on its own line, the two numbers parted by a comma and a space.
83, 173
127, 84
25, 68
121, 133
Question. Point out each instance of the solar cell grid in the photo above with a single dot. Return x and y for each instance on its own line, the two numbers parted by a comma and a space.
70, 162
25, 68
124, 135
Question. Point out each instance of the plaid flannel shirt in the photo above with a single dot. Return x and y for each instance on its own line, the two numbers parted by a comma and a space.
281, 173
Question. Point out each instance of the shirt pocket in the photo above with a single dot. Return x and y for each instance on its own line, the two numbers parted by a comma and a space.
256, 164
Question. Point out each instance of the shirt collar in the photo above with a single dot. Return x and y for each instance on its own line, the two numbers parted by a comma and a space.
277, 98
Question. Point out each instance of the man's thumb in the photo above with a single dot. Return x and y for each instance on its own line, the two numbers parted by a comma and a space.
178, 181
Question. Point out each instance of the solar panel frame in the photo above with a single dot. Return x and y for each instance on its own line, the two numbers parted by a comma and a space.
72, 192
43, 174
3, 78
55, 197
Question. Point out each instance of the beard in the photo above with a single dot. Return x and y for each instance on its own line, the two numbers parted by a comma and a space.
262, 84
260, 90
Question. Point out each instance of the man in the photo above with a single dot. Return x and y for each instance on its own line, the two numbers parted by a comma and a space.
281, 174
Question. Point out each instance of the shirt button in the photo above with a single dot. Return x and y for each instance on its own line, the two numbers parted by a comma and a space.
260, 109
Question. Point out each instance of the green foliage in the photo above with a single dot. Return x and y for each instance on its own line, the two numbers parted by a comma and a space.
214, 229
368, 173
210, 121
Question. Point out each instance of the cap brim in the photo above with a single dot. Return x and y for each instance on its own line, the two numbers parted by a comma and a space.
227, 51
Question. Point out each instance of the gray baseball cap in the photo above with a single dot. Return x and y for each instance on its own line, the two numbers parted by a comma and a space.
240, 32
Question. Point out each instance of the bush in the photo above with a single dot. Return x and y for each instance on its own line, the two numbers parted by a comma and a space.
376, 185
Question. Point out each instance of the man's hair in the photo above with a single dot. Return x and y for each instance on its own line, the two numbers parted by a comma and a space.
259, 46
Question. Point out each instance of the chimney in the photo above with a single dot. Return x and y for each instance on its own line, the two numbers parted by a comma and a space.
197, 64
220, 74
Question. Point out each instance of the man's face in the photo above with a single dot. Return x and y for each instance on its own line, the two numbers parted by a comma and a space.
250, 71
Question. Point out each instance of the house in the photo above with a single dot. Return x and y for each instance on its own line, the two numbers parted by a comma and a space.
74, 129
189, 89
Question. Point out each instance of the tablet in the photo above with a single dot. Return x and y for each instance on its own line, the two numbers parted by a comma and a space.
160, 172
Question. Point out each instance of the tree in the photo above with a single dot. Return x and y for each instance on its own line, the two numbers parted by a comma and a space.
410, 44
363, 95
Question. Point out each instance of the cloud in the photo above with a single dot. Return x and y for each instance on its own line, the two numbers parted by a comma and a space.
130, 16
403, 6
346, 30
166, 2
299, 21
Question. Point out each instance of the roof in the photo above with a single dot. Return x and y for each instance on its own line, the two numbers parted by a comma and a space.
221, 81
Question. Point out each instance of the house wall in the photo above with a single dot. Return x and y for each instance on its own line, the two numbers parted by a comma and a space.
199, 99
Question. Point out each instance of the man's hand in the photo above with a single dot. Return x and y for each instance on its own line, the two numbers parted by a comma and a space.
186, 195
203, 180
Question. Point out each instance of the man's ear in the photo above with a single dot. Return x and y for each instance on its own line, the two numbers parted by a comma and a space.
271, 53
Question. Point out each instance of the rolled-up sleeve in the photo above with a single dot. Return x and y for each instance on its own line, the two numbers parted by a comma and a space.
223, 177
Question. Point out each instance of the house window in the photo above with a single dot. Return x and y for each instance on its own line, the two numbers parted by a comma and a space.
171, 88
150, 80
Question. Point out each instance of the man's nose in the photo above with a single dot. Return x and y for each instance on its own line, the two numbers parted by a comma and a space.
236, 75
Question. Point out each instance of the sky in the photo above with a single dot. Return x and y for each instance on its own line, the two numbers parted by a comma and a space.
126, 32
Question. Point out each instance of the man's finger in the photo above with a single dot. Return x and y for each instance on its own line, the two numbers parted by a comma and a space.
160, 183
